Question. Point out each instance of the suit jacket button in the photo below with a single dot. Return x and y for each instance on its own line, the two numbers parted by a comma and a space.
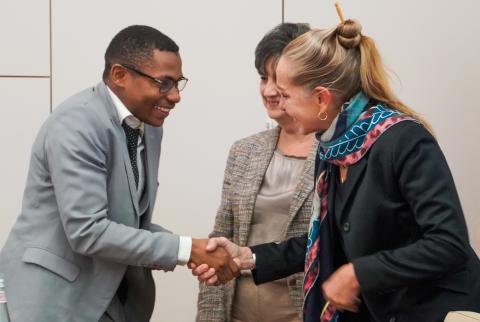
392, 319
346, 227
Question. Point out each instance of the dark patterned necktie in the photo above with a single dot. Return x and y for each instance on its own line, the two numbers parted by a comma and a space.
132, 142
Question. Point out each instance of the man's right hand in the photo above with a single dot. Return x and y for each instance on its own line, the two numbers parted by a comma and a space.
242, 256
216, 260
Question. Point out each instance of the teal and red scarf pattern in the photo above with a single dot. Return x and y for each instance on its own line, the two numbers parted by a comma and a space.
348, 139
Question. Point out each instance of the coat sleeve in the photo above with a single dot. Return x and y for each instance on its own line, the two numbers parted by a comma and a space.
425, 182
77, 153
278, 260
211, 305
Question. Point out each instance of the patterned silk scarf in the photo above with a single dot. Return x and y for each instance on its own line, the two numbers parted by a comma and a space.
348, 139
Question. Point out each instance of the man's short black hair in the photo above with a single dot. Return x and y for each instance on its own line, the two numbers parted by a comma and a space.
273, 43
134, 45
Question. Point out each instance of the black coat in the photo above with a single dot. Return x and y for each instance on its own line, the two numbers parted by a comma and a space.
403, 229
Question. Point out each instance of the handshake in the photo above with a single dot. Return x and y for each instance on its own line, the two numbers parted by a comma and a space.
217, 260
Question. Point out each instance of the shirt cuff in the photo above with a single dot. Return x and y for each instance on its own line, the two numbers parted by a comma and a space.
184, 250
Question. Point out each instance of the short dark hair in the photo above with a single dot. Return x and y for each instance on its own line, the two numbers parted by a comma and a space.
275, 40
134, 45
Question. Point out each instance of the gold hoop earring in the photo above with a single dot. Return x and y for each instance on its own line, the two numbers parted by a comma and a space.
322, 118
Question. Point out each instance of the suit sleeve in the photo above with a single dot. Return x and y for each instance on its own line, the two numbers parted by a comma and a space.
158, 229
77, 152
211, 306
426, 184
278, 260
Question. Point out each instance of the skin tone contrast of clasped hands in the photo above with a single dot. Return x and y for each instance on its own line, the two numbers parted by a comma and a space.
220, 265
341, 290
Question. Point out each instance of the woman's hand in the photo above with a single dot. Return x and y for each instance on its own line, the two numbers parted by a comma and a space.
242, 256
341, 289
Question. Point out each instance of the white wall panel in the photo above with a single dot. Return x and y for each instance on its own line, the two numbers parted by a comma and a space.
432, 48
24, 43
431, 45
25, 106
219, 105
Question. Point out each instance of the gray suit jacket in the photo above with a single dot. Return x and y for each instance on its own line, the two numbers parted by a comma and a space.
80, 225
246, 167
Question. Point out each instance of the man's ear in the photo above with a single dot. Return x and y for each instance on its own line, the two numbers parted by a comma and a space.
323, 96
118, 75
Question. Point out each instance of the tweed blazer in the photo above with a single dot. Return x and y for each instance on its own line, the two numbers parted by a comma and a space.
246, 167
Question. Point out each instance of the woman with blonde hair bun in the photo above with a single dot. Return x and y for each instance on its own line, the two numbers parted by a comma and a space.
388, 239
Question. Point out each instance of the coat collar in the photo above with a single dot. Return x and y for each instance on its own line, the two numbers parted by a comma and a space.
354, 177
264, 151
305, 184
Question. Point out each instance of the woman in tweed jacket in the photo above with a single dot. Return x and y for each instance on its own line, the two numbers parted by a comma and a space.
252, 164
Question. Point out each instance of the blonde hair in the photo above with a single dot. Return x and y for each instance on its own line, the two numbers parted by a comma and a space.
345, 61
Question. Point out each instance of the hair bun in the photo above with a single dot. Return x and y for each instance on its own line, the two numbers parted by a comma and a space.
349, 33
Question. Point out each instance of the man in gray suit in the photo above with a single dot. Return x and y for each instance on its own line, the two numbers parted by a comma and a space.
84, 246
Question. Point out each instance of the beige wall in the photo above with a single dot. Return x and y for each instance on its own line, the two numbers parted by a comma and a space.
430, 44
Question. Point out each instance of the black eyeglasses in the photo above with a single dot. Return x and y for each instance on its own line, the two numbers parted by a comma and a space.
164, 84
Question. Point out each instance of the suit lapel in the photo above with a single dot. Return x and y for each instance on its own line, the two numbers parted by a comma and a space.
260, 157
128, 167
120, 136
354, 176
305, 184
152, 150
131, 180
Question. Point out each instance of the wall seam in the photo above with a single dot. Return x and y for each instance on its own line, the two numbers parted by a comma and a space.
51, 55
24, 76
50, 77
